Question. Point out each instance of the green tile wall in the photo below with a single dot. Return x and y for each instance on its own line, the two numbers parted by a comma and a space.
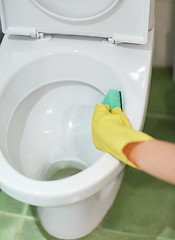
144, 209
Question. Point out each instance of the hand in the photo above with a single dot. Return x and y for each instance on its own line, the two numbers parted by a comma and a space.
111, 132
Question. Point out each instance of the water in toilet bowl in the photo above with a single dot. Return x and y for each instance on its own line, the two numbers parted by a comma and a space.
63, 168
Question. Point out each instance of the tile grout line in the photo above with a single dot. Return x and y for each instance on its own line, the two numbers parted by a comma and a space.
136, 234
128, 233
10, 214
22, 221
17, 215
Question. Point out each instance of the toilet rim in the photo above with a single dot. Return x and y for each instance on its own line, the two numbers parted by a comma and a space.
69, 190
59, 192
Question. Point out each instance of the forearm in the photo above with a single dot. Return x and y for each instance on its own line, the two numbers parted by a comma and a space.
155, 157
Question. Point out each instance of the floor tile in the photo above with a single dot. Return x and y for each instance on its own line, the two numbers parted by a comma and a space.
32, 211
144, 205
103, 234
162, 92
32, 230
163, 129
38, 233
9, 226
8, 204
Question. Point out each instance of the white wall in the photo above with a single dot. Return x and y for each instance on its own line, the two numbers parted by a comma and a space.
164, 33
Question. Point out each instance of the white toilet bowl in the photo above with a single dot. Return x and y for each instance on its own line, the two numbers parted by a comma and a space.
48, 90
47, 97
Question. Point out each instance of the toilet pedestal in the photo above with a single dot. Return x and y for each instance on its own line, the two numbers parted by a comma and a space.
79, 219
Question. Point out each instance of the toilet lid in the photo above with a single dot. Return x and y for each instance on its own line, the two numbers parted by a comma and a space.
76, 10
121, 20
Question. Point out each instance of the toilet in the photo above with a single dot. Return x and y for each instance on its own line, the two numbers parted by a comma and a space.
58, 59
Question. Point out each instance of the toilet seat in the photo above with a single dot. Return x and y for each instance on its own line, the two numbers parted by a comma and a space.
96, 19
69, 11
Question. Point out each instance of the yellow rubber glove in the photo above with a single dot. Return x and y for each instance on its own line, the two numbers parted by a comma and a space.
111, 132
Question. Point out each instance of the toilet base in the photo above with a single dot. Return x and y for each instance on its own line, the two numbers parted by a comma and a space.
79, 219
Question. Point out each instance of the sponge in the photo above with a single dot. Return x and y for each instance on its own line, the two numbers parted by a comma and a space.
113, 98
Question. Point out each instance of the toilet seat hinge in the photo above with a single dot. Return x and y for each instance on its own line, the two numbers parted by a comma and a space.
31, 32
113, 41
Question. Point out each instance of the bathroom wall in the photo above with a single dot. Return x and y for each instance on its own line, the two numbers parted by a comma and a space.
164, 33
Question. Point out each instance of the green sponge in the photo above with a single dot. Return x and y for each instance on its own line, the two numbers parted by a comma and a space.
113, 98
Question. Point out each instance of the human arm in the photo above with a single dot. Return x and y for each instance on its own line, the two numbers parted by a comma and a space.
112, 133
154, 157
